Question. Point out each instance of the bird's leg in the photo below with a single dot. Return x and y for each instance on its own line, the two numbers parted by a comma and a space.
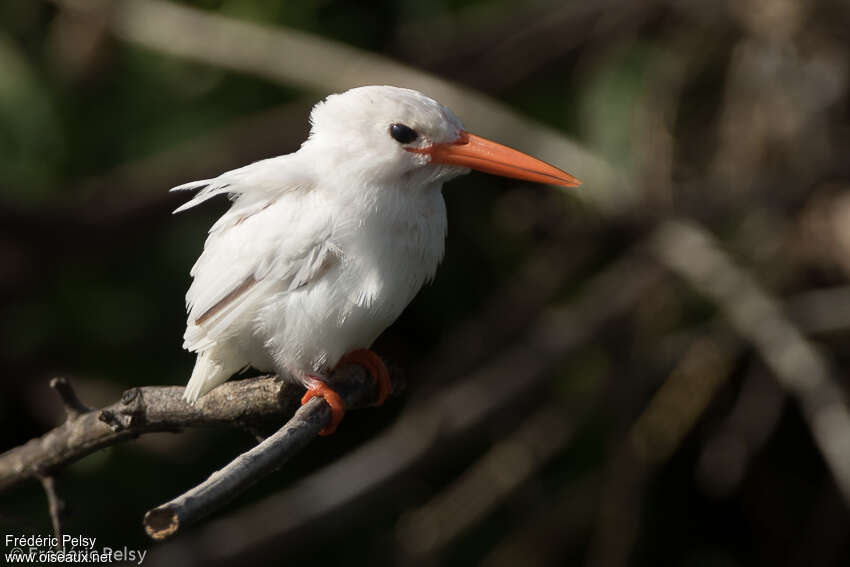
376, 367
334, 401
365, 358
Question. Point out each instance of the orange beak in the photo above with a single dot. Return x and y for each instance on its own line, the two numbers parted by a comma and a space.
481, 154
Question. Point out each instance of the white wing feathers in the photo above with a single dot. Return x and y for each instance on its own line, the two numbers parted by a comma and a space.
263, 179
248, 259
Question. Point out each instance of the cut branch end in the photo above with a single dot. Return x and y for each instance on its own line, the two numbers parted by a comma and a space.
161, 522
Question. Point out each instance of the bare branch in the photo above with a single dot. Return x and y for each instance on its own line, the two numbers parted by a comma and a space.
144, 410
357, 389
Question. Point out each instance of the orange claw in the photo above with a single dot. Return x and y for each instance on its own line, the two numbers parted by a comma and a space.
376, 367
332, 399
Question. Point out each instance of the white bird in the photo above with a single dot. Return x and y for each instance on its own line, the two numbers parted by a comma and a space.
323, 248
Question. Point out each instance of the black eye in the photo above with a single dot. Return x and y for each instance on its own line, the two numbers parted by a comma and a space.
403, 134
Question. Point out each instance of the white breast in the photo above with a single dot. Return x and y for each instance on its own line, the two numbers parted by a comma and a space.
384, 250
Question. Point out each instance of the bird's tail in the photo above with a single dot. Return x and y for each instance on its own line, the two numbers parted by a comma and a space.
207, 374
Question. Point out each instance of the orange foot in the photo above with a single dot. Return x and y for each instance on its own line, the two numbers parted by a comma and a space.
332, 399
376, 367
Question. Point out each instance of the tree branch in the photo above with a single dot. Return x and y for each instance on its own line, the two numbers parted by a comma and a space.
357, 389
147, 409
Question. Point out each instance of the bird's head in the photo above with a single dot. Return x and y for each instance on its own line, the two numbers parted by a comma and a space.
394, 135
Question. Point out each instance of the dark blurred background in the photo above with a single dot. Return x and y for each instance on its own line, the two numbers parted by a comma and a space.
649, 370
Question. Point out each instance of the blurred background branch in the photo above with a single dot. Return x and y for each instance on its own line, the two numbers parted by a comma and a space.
798, 366
324, 67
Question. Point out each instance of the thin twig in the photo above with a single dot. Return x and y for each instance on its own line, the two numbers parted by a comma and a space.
73, 406
55, 504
